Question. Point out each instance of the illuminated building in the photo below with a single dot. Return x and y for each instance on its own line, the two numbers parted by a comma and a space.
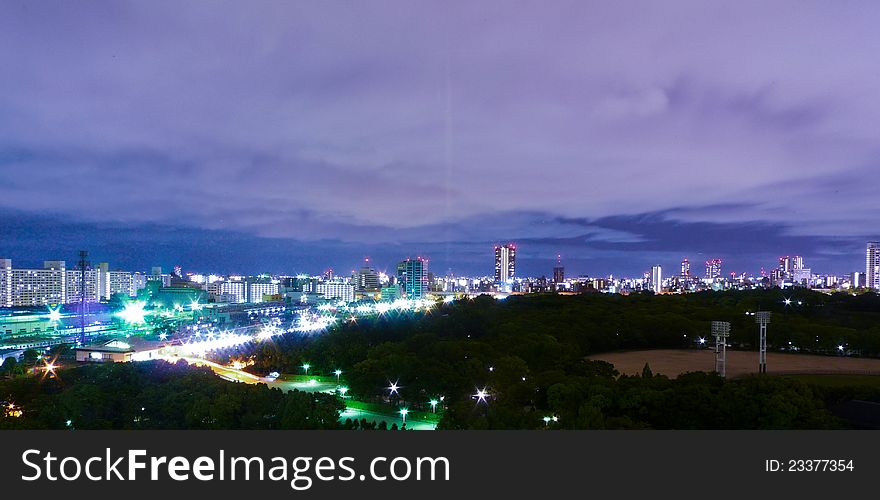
558, 271
257, 288
74, 282
33, 287
505, 262
785, 266
657, 279
119, 351
5, 283
412, 276
229, 291
872, 265
335, 290
366, 278
157, 275
713, 269
685, 268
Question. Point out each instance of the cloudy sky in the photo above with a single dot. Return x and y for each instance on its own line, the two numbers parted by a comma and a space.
294, 136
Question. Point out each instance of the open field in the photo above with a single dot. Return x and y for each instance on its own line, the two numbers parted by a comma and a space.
673, 362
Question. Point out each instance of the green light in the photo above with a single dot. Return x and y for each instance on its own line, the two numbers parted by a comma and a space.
55, 314
133, 313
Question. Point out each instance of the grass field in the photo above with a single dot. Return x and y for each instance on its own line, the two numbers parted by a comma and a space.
673, 362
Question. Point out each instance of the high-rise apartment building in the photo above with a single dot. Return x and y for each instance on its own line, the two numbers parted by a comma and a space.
336, 290
713, 269
872, 265
657, 279
505, 262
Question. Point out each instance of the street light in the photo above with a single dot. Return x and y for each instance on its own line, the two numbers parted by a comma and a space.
337, 372
343, 391
403, 413
481, 395
392, 387
306, 367
433, 404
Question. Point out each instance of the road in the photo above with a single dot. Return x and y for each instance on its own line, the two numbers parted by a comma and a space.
234, 375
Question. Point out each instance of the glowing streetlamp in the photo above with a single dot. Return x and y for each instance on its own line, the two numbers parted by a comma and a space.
337, 372
403, 413
433, 404
343, 391
306, 367
392, 388
481, 395
547, 421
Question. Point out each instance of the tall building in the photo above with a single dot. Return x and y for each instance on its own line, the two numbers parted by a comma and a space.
872, 265
36, 287
412, 277
5, 282
558, 271
505, 262
785, 266
657, 279
685, 268
366, 278
713, 269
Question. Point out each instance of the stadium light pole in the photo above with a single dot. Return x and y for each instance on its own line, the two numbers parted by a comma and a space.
763, 319
721, 331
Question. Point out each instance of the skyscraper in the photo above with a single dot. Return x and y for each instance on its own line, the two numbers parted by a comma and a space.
657, 279
872, 267
505, 262
785, 266
685, 268
558, 271
412, 277
713, 269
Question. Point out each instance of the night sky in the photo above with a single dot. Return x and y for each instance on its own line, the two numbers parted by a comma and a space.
295, 136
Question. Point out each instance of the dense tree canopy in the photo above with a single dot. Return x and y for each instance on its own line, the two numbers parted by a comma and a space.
159, 395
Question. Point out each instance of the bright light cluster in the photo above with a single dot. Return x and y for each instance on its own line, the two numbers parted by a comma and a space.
213, 342
133, 313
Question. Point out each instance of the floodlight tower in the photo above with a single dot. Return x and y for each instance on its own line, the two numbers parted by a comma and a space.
762, 318
721, 330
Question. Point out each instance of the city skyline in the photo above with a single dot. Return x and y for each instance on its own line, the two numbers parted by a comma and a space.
309, 137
